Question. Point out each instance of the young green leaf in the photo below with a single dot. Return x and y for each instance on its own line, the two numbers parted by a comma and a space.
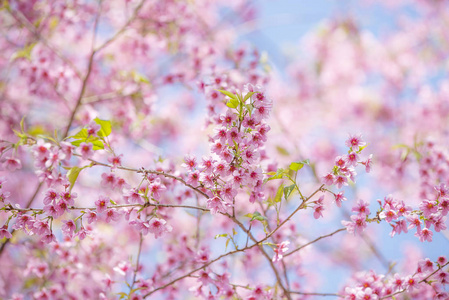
97, 144
24, 53
82, 134
105, 127
221, 235
288, 190
229, 94
296, 166
230, 104
279, 193
248, 95
282, 150
72, 175
257, 216
279, 174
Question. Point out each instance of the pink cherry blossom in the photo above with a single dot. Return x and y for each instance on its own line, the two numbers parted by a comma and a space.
11, 164
159, 227
279, 250
86, 150
216, 205
102, 204
355, 142
4, 233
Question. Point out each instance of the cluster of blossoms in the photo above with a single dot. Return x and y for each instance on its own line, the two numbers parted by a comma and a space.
430, 213
224, 288
402, 217
48, 158
371, 286
147, 220
68, 270
358, 221
237, 150
4, 194
343, 170
248, 62
433, 167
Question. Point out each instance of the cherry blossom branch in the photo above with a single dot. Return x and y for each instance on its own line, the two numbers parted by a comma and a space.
86, 78
421, 281
316, 294
124, 27
148, 204
256, 243
137, 262
301, 206
19, 17
195, 270
314, 241
145, 171
373, 247
102, 97
260, 246
28, 205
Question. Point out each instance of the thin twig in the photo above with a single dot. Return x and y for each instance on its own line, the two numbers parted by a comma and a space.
86, 78
11, 208
19, 17
124, 27
137, 263
314, 241
316, 294
421, 281
145, 171
27, 206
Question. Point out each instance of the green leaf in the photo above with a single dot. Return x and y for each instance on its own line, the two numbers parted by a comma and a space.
279, 174
361, 148
38, 130
54, 21
97, 144
221, 235
404, 154
72, 175
248, 95
288, 190
257, 216
227, 242
279, 193
82, 134
229, 94
24, 53
5, 5
296, 166
19, 134
234, 232
282, 150
21, 124
231, 105
106, 127
122, 295
139, 78
395, 146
